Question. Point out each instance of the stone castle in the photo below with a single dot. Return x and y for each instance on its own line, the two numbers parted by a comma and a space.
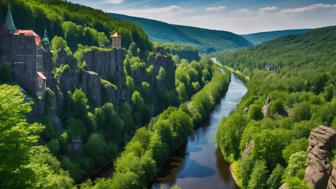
22, 49
27, 54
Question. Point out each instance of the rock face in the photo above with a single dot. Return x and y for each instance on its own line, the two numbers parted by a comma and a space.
165, 61
109, 65
321, 142
91, 86
266, 107
332, 178
69, 78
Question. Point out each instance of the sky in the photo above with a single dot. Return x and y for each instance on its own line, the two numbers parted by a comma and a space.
238, 16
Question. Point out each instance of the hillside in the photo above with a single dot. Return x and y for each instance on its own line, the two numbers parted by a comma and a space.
77, 24
292, 91
257, 38
208, 40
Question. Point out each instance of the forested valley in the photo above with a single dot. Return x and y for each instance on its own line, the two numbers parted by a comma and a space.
290, 92
160, 99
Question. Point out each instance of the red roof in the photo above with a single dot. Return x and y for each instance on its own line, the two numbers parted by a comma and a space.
41, 76
30, 33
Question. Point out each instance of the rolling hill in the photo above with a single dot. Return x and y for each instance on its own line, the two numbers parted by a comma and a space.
208, 40
258, 38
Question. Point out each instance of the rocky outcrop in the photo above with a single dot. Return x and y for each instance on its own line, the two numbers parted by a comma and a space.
69, 78
160, 59
106, 63
332, 178
321, 142
266, 107
90, 84
109, 65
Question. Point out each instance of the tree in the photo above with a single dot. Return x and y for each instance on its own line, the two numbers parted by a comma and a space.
277, 107
79, 105
274, 180
48, 173
297, 145
255, 112
301, 112
17, 138
245, 169
58, 43
296, 166
259, 176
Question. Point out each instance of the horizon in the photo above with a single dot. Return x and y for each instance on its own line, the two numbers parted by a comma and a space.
238, 17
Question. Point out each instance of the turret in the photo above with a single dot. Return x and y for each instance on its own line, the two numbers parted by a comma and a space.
9, 21
45, 40
116, 40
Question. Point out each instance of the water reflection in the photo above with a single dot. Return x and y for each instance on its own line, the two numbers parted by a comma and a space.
197, 164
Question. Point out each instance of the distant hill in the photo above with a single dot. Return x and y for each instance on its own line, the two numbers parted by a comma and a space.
261, 37
207, 40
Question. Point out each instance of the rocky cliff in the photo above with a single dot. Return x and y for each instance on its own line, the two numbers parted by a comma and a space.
322, 141
332, 178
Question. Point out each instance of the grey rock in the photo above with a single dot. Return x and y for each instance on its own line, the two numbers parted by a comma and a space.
321, 142
91, 86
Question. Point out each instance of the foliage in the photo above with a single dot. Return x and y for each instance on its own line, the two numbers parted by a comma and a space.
33, 166
296, 73
275, 178
259, 174
151, 147
75, 23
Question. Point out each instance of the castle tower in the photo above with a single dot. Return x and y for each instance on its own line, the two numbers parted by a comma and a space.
10, 22
116, 40
45, 40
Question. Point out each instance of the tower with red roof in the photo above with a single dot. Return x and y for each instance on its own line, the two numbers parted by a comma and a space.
22, 48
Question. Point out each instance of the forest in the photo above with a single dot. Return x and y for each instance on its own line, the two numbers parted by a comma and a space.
166, 102
291, 91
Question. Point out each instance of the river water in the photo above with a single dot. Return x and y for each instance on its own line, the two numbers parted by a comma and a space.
198, 164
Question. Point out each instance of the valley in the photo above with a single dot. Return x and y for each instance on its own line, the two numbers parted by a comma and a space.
91, 99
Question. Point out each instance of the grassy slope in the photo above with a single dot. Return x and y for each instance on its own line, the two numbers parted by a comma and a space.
164, 32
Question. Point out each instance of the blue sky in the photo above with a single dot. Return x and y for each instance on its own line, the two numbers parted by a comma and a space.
239, 16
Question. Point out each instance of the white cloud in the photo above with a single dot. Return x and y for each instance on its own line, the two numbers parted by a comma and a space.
167, 14
117, 2
215, 9
309, 8
265, 10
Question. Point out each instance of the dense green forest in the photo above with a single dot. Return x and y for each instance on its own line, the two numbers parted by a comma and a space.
77, 24
292, 89
152, 145
258, 38
208, 40
44, 160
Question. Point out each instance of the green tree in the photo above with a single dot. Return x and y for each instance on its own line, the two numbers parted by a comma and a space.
302, 112
255, 112
48, 173
296, 166
274, 180
297, 145
259, 176
17, 138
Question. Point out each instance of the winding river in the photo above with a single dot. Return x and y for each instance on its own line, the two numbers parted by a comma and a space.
198, 164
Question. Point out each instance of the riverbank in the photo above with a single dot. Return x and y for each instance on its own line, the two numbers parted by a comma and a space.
200, 165
152, 146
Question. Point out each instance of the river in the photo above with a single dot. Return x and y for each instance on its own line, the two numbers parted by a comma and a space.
198, 164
